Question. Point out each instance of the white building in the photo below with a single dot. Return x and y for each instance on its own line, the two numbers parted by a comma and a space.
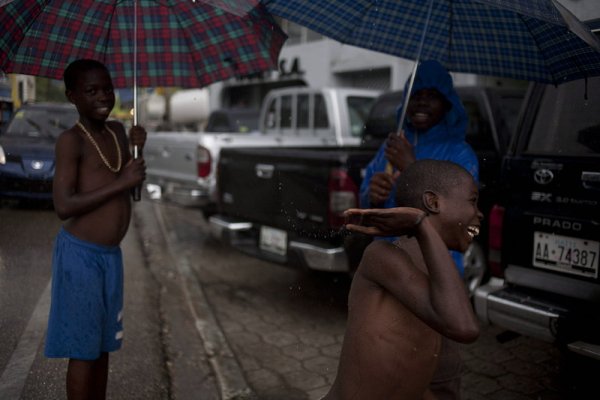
310, 59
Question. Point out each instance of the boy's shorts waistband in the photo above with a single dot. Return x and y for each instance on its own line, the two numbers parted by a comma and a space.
63, 233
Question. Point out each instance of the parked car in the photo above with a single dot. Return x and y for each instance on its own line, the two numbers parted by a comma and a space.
27, 149
545, 229
286, 204
181, 165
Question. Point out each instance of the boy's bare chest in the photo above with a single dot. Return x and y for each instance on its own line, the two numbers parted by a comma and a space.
100, 163
103, 149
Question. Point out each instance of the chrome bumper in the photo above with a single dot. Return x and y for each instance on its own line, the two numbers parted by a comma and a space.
242, 235
179, 193
496, 304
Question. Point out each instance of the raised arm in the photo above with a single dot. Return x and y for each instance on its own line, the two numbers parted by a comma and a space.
440, 298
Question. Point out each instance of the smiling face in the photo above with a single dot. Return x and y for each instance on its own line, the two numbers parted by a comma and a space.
459, 216
93, 94
426, 108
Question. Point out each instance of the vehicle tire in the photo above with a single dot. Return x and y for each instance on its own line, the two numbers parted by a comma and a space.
475, 264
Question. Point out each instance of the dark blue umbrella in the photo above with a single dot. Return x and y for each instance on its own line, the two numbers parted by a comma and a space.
536, 40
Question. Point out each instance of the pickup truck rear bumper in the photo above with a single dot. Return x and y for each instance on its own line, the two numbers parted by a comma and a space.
181, 193
535, 315
300, 252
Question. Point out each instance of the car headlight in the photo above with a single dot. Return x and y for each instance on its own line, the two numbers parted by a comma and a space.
2, 156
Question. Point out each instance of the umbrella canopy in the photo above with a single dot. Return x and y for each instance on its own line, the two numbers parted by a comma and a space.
535, 40
182, 43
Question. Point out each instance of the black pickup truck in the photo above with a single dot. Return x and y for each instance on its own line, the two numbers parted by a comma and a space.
286, 205
545, 230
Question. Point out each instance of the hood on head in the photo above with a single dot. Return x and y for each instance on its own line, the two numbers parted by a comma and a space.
432, 75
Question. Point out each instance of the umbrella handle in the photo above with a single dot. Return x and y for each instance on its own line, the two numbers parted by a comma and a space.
135, 108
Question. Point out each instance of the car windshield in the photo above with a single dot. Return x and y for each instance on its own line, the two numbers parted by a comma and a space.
568, 122
509, 106
41, 122
240, 122
382, 116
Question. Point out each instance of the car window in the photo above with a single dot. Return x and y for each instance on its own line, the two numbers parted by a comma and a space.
219, 122
245, 122
568, 122
479, 131
302, 111
508, 108
358, 108
286, 112
270, 119
39, 122
321, 119
382, 117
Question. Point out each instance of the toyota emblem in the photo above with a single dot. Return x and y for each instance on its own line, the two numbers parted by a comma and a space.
543, 176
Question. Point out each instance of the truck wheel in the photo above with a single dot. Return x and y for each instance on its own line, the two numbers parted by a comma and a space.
475, 267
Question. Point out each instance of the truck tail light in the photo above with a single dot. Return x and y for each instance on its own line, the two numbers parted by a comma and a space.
204, 162
343, 194
495, 241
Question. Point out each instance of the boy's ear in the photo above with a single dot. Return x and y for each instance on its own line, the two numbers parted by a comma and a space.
431, 202
68, 95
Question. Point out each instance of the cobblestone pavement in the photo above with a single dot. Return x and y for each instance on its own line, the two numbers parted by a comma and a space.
286, 326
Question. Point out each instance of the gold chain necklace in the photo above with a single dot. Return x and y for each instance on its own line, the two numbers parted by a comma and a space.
89, 135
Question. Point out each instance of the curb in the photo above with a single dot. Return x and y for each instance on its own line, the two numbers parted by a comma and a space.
229, 375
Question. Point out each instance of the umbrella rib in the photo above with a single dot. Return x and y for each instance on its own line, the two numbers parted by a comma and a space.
522, 18
450, 33
14, 49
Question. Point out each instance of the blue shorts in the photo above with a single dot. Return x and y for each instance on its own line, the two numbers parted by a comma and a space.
87, 299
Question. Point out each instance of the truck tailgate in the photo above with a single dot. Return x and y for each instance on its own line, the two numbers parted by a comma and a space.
285, 188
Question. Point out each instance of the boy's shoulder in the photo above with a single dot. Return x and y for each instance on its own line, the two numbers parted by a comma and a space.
383, 255
70, 135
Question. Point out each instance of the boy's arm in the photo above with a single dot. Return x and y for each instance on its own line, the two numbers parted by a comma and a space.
440, 298
70, 203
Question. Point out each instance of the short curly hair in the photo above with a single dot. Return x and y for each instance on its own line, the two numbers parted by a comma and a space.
435, 175
77, 67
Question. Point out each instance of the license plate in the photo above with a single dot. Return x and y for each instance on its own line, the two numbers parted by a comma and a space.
566, 254
273, 240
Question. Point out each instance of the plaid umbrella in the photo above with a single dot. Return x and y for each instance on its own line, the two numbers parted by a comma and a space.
179, 42
535, 40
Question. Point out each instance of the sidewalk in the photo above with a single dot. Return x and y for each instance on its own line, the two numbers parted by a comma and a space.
199, 362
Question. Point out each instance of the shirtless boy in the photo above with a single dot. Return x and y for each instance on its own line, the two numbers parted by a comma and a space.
407, 297
93, 179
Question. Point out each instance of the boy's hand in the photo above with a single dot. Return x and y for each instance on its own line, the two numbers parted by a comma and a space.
134, 173
137, 136
381, 186
395, 221
398, 151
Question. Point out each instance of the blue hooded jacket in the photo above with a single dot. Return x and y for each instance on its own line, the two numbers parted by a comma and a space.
445, 141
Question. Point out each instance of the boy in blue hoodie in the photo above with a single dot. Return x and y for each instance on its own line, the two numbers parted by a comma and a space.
435, 128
